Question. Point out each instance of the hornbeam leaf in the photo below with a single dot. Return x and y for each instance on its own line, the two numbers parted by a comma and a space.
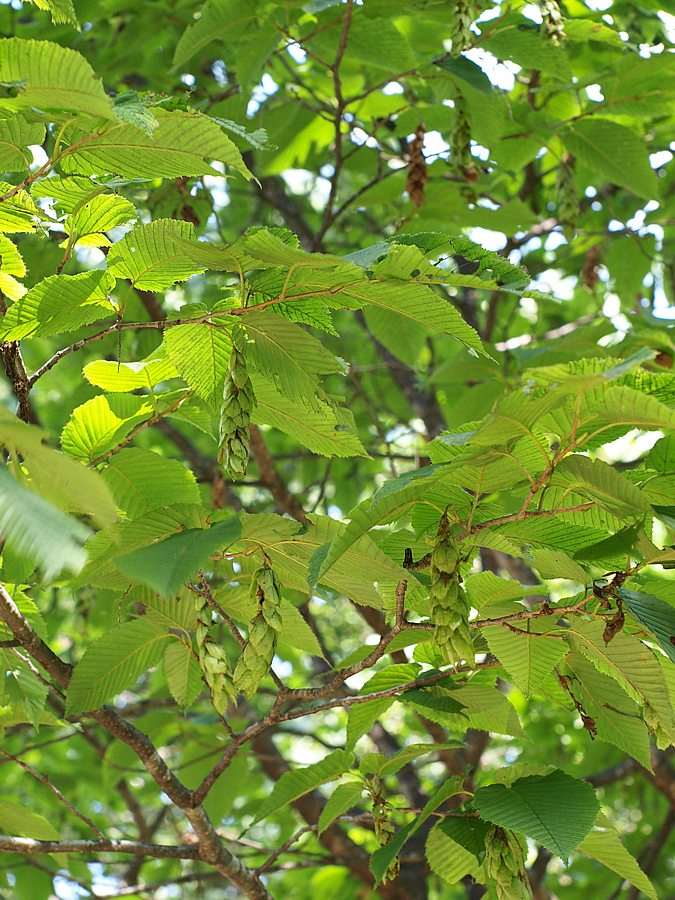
52, 78
182, 673
615, 152
447, 858
16, 133
556, 810
113, 663
298, 782
340, 801
141, 480
150, 257
57, 304
655, 614
37, 530
62, 11
181, 145
167, 565
604, 845
528, 659
319, 430
200, 352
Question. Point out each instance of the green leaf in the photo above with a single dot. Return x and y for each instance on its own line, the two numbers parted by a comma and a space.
394, 498
447, 858
101, 423
290, 357
200, 353
167, 565
219, 20
51, 78
599, 482
617, 718
57, 304
150, 257
141, 480
125, 377
382, 858
615, 152
98, 214
182, 673
340, 801
114, 663
626, 659
18, 213
298, 782
62, 11
362, 716
655, 614
16, 133
296, 632
38, 531
15, 819
320, 430
604, 845
528, 659
555, 810
181, 145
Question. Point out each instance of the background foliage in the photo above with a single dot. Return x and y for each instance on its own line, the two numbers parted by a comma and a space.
415, 259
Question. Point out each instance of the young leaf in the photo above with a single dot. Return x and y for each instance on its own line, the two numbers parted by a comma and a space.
556, 810
150, 257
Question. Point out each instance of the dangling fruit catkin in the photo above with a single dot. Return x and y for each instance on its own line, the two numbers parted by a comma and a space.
258, 653
463, 14
448, 601
505, 864
552, 25
382, 824
212, 659
235, 413
568, 199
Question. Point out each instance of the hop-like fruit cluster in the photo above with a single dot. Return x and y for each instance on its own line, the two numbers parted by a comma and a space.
213, 661
460, 144
552, 25
661, 736
448, 601
568, 199
235, 413
464, 12
505, 864
258, 653
383, 826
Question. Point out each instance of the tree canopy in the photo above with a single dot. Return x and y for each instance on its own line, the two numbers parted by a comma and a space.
337, 506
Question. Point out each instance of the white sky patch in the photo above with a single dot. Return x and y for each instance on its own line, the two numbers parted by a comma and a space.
392, 88
501, 74
594, 93
39, 156
490, 240
296, 52
629, 446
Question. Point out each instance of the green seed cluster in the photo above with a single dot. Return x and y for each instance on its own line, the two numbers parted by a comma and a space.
552, 21
505, 865
653, 722
568, 199
213, 661
448, 600
258, 653
464, 12
460, 141
383, 826
235, 413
